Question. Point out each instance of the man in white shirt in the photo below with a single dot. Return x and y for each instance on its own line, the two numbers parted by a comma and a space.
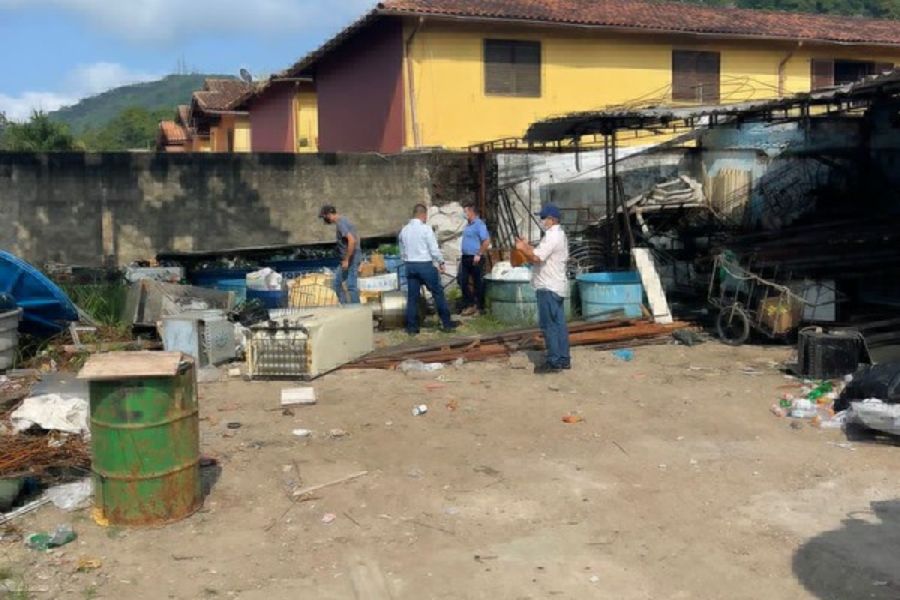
419, 251
551, 284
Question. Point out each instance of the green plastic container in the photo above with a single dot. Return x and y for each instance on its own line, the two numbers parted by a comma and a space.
146, 448
515, 302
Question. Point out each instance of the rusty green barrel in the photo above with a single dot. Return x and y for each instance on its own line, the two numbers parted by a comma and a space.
145, 447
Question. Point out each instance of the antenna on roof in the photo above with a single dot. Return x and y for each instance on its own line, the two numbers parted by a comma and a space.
246, 76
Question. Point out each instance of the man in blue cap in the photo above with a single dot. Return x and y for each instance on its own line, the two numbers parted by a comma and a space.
551, 283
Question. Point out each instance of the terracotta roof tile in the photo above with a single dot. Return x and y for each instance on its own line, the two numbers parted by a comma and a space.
221, 94
172, 133
663, 16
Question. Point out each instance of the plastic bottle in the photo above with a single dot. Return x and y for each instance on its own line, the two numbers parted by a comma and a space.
419, 410
803, 409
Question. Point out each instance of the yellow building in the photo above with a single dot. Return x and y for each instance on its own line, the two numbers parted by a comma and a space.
420, 73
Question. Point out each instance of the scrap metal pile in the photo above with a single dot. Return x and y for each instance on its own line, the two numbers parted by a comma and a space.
609, 335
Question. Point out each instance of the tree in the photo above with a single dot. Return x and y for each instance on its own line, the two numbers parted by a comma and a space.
39, 134
132, 129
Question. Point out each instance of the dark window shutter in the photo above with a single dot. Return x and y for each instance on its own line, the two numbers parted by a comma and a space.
696, 76
512, 68
822, 71
498, 67
527, 68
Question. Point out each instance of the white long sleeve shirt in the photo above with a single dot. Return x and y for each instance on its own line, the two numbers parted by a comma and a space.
551, 272
418, 244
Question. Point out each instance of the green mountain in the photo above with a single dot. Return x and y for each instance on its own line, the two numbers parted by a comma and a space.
97, 111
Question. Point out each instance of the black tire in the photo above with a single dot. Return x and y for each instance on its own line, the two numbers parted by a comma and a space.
733, 325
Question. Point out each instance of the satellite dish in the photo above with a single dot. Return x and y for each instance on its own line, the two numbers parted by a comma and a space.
246, 76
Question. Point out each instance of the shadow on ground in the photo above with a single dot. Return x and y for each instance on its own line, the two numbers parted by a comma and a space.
859, 560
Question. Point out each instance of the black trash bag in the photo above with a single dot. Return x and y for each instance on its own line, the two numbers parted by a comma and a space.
878, 381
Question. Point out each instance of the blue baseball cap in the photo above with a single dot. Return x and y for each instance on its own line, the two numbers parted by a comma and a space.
551, 210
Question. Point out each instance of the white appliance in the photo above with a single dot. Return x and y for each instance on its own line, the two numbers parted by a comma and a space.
207, 336
307, 343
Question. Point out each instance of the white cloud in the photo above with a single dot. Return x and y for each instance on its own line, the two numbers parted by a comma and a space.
82, 81
161, 20
18, 108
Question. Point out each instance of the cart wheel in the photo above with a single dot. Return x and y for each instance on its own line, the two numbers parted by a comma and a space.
733, 325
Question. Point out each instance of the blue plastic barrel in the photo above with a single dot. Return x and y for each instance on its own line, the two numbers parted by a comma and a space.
46, 308
394, 264
211, 278
602, 294
515, 302
269, 299
238, 286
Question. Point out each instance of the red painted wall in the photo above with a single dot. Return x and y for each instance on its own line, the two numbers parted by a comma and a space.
272, 119
360, 91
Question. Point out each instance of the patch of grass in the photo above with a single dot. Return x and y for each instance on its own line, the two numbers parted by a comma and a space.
89, 593
104, 302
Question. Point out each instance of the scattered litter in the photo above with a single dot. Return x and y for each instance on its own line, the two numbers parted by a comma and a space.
836, 422
52, 412
804, 409
321, 486
431, 387
452, 405
624, 355
287, 412
44, 541
88, 564
419, 410
234, 425
778, 411
234, 372
329, 518
417, 366
302, 433
553, 388
459, 363
30, 507
71, 496
844, 445
572, 419
415, 473
594, 579
298, 396
337, 433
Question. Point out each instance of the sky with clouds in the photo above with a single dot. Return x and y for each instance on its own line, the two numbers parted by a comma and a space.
55, 52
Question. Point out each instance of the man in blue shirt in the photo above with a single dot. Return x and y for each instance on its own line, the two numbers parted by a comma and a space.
475, 242
351, 255
419, 251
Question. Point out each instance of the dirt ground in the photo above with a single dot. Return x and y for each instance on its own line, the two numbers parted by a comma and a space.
678, 484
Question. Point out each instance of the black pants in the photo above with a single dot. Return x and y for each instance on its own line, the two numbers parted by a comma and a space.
469, 271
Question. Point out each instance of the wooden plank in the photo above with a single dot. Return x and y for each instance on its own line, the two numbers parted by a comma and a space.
128, 365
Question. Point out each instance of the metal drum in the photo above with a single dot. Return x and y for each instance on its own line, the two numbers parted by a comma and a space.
145, 441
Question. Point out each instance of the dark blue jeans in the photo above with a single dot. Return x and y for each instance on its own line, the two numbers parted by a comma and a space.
470, 272
419, 274
552, 318
348, 277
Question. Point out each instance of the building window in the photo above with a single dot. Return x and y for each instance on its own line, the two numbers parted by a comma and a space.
695, 76
826, 73
512, 68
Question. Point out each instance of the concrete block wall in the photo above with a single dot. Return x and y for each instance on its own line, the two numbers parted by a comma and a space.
88, 209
